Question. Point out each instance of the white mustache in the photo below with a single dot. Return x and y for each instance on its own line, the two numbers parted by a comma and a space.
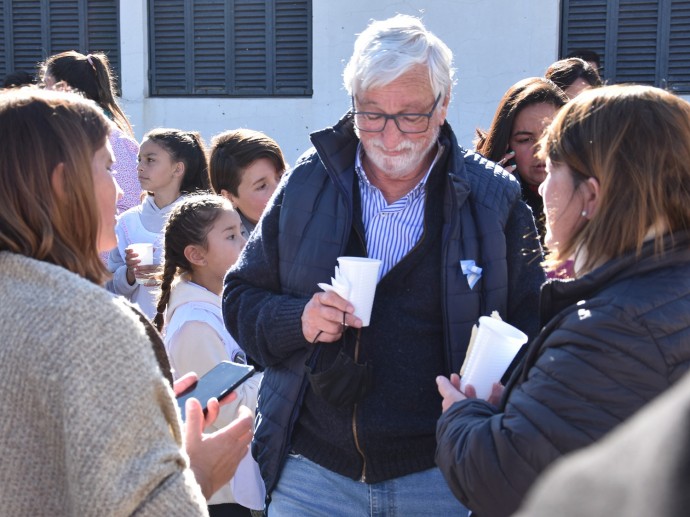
402, 146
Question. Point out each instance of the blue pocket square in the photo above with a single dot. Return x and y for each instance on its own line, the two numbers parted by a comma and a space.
472, 271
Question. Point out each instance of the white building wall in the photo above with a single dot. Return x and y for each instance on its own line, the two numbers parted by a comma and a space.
495, 43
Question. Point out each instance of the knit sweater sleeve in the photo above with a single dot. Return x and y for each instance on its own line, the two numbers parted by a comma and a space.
122, 435
265, 323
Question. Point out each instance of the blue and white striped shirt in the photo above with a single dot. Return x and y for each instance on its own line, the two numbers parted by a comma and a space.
391, 230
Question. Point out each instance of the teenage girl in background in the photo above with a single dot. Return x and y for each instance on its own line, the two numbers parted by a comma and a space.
171, 163
245, 167
92, 76
202, 241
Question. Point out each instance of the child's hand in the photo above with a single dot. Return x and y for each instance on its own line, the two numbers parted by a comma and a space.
144, 274
131, 261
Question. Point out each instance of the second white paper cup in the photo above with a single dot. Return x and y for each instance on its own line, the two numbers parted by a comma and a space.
362, 274
145, 252
495, 347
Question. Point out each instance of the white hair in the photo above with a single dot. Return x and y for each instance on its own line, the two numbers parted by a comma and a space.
389, 48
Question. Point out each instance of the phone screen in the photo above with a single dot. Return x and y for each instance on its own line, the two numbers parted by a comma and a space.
218, 382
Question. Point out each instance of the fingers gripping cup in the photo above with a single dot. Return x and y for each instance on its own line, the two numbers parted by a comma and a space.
362, 275
494, 348
144, 250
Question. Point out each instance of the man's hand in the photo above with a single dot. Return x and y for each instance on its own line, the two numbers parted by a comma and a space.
326, 316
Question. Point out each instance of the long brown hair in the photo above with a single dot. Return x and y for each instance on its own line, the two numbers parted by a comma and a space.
90, 74
635, 141
493, 144
40, 130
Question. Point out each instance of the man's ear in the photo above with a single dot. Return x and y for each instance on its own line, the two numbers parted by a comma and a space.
57, 180
195, 254
445, 101
592, 194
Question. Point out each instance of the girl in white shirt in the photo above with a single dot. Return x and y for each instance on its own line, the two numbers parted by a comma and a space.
171, 163
203, 239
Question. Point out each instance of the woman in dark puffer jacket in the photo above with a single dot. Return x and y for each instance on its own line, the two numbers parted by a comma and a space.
617, 201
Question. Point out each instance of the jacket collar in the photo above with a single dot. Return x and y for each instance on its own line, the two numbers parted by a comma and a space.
556, 294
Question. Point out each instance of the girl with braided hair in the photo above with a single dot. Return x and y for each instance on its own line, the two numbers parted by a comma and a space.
172, 163
203, 239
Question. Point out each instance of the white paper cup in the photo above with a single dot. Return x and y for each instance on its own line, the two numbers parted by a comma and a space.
495, 347
145, 252
362, 274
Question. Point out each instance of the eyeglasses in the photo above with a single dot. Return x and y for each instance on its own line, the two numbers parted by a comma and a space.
406, 122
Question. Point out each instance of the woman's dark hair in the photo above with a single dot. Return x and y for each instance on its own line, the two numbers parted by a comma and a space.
189, 223
186, 147
566, 71
91, 75
235, 150
494, 143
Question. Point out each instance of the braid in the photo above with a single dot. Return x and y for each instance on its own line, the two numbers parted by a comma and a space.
188, 224
169, 271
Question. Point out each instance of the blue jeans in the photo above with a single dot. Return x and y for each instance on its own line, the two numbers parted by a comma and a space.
307, 489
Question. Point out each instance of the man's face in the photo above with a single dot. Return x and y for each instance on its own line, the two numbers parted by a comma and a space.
397, 155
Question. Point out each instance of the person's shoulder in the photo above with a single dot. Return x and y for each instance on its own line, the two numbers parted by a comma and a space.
489, 184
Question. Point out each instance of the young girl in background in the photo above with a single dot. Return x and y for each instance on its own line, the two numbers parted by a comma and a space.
92, 76
245, 167
171, 163
202, 240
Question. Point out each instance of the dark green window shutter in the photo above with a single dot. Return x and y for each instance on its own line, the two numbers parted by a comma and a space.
293, 48
35, 29
583, 26
230, 47
636, 44
640, 41
678, 77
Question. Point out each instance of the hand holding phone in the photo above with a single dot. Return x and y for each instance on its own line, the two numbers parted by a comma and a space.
218, 382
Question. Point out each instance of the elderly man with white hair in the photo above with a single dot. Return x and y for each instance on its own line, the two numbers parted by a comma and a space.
347, 414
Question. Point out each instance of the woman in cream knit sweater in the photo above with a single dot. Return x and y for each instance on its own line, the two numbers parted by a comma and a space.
89, 425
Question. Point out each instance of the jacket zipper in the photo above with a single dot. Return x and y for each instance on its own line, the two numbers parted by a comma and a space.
363, 476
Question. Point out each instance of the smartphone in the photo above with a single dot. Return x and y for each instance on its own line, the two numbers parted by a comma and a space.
512, 160
218, 382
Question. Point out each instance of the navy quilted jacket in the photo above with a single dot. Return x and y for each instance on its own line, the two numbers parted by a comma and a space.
611, 342
306, 227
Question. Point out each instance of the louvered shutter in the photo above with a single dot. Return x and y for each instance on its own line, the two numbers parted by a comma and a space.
102, 31
4, 41
251, 32
293, 48
27, 35
221, 47
209, 71
678, 78
642, 41
34, 30
584, 26
167, 35
637, 42
63, 24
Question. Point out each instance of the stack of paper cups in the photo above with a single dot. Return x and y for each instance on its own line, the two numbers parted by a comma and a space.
362, 274
494, 348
